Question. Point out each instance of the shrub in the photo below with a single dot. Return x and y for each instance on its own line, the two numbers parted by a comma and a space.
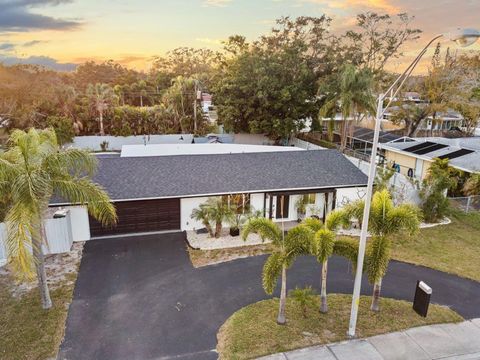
304, 298
433, 192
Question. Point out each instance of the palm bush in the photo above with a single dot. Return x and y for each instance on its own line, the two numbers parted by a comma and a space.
31, 170
287, 247
434, 189
202, 214
215, 211
385, 220
304, 298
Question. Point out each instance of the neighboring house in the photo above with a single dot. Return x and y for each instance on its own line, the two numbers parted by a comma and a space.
413, 157
158, 193
443, 122
412, 96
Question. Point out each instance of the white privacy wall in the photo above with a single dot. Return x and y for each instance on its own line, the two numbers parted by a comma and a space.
58, 237
80, 223
347, 195
187, 205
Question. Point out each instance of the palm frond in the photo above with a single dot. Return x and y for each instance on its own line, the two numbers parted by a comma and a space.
298, 241
84, 191
20, 231
347, 248
313, 223
324, 240
337, 218
271, 271
266, 228
378, 257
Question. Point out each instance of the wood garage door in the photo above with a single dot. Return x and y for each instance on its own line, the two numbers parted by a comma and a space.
141, 216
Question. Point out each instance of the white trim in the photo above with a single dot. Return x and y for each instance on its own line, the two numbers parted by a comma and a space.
134, 234
226, 193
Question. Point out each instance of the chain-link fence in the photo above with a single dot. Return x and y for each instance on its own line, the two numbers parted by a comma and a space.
466, 203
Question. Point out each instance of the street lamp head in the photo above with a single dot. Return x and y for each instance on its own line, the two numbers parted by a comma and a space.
464, 37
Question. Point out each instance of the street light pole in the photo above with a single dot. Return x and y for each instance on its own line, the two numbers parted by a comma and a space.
463, 37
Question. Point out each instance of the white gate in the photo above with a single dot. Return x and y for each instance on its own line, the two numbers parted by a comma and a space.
59, 237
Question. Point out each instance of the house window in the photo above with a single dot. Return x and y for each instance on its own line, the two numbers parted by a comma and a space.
239, 202
311, 199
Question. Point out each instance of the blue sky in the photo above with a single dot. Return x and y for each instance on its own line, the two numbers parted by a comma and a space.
72, 31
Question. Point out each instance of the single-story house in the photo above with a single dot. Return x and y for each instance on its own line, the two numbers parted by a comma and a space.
158, 193
413, 156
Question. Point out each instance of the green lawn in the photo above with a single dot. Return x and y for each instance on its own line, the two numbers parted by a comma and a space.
453, 248
26, 330
252, 331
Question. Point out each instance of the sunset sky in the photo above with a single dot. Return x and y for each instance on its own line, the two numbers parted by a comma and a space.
60, 33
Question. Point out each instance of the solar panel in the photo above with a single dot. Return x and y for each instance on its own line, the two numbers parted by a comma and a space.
419, 146
456, 154
430, 149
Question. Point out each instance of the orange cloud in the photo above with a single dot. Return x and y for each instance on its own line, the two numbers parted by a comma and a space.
384, 5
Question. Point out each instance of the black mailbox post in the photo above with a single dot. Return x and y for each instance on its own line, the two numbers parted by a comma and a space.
423, 292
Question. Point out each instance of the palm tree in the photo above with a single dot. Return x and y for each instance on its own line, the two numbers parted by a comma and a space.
31, 171
287, 247
323, 245
202, 213
385, 220
100, 96
219, 212
353, 96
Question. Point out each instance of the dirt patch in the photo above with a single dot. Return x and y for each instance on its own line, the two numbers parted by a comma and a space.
201, 258
61, 271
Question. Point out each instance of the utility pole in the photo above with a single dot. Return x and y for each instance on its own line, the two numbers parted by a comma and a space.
195, 108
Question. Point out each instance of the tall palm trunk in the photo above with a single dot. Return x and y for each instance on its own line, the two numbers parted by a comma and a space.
102, 132
377, 287
41, 274
281, 319
323, 291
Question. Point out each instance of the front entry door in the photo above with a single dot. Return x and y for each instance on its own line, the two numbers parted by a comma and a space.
282, 209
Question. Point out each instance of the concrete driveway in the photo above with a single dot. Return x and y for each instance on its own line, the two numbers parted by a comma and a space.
140, 297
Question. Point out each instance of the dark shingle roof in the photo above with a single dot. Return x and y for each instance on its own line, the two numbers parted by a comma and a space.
188, 175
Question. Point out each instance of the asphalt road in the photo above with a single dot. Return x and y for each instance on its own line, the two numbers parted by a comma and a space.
140, 297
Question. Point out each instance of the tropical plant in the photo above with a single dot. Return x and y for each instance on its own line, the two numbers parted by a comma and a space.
32, 170
472, 185
203, 214
382, 178
434, 189
287, 247
63, 127
304, 297
351, 94
100, 97
323, 245
385, 220
213, 210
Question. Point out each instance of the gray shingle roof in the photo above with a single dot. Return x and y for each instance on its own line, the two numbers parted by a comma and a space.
189, 175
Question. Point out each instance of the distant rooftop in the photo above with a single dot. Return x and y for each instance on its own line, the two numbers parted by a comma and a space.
199, 149
463, 153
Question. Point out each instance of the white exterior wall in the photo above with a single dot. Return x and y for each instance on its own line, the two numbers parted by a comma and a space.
80, 223
116, 142
256, 201
347, 195
186, 207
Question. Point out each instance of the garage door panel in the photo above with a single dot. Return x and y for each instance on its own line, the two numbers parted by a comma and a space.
141, 216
